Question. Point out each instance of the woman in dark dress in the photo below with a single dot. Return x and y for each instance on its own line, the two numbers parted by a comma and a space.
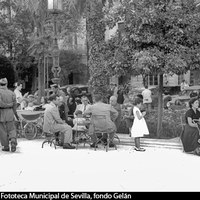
190, 135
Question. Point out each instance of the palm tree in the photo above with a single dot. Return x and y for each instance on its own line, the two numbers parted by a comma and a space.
42, 38
92, 10
38, 11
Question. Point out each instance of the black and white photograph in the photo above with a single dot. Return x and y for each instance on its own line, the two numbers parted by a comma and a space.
99, 99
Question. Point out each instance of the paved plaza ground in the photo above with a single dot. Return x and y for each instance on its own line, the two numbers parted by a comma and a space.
159, 168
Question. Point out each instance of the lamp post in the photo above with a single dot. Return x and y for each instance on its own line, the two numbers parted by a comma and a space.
55, 7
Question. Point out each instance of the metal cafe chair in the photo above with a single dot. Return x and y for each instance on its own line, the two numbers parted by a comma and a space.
99, 125
81, 136
49, 139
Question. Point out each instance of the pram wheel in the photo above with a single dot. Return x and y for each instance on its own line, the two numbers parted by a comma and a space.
30, 131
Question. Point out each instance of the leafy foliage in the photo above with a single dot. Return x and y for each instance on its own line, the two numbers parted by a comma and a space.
6, 70
70, 62
171, 123
92, 10
96, 36
157, 37
15, 28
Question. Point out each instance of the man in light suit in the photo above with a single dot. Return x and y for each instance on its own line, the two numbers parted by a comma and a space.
8, 106
100, 108
53, 122
83, 106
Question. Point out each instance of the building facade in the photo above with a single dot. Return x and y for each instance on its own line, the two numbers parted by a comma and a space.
77, 42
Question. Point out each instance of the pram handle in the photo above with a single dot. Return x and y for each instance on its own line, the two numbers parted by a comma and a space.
195, 120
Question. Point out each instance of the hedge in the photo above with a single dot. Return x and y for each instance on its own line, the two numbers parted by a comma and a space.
171, 123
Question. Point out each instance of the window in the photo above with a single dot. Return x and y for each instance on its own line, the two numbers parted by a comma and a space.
153, 80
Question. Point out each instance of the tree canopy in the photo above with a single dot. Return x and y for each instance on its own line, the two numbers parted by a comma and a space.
157, 37
6, 70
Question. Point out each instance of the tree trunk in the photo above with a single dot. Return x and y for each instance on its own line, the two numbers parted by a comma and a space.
10, 48
160, 105
41, 83
34, 80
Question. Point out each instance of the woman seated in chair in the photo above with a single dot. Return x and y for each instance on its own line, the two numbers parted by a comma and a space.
190, 135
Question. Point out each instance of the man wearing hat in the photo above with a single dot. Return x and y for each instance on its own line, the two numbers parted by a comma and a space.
7, 121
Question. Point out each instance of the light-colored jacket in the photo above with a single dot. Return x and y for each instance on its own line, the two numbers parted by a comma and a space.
82, 108
51, 118
107, 110
146, 96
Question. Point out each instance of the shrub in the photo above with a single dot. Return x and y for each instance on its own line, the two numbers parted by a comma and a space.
7, 70
123, 127
171, 123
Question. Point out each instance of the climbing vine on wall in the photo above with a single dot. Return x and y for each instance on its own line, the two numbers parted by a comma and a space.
96, 38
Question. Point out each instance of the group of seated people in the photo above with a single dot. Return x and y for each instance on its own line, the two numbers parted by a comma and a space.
54, 123
58, 118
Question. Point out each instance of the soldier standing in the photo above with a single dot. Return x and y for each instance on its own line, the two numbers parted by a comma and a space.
7, 120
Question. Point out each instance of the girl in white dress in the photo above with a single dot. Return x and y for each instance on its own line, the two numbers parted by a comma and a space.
139, 127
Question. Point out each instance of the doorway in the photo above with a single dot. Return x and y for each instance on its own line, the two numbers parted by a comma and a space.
71, 78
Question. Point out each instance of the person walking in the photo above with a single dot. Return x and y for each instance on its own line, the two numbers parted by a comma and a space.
8, 106
139, 127
147, 100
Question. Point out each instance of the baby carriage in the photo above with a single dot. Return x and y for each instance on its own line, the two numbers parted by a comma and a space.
31, 123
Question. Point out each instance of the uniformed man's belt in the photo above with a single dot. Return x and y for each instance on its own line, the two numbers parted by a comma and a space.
6, 108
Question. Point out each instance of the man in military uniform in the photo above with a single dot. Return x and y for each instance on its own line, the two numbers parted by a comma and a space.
7, 120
